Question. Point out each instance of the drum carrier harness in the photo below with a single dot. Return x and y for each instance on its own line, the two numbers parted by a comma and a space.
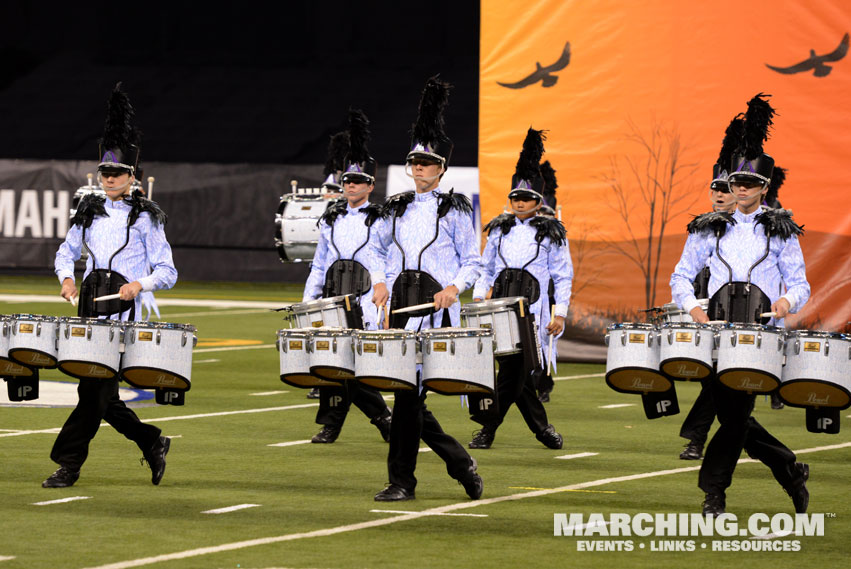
101, 282
415, 286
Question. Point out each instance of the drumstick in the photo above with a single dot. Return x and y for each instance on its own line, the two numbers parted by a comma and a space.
108, 297
73, 300
150, 186
386, 317
415, 308
716, 322
768, 315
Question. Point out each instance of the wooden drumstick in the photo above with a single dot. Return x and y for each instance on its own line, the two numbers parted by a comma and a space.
108, 297
90, 176
74, 300
415, 308
768, 315
150, 186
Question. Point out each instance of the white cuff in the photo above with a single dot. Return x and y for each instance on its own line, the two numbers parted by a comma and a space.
560, 310
148, 283
690, 304
791, 302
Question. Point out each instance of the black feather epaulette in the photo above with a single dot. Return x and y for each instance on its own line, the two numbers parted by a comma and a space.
504, 221
333, 210
451, 200
89, 207
396, 205
139, 203
778, 223
549, 227
374, 212
714, 221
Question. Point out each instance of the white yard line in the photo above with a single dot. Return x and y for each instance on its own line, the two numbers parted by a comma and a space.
6, 557
215, 312
61, 500
577, 455
189, 553
616, 406
263, 393
223, 303
210, 361
231, 509
232, 348
407, 512
289, 443
586, 376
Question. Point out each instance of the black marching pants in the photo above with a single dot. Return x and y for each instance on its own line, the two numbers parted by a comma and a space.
334, 403
513, 386
699, 419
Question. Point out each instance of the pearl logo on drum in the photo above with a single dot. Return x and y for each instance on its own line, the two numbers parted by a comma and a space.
815, 400
638, 385
745, 384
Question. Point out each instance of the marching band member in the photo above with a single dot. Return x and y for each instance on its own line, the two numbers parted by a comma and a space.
523, 252
432, 256
128, 253
756, 249
342, 265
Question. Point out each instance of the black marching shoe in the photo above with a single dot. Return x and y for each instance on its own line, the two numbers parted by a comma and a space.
798, 490
714, 504
313, 393
156, 459
482, 438
62, 478
544, 396
383, 425
472, 482
327, 434
776, 402
550, 438
394, 493
693, 451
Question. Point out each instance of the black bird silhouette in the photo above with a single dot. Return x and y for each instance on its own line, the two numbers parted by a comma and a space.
543, 74
816, 62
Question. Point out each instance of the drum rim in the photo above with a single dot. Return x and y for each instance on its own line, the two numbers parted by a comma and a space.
318, 302
694, 325
632, 326
384, 334
85, 320
332, 331
442, 333
296, 332
142, 324
816, 334
752, 327
36, 317
481, 305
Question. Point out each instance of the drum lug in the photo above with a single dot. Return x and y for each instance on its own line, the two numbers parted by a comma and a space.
670, 336
452, 346
427, 346
183, 339
194, 340
334, 345
733, 339
38, 329
360, 347
606, 340
111, 333
89, 332
404, 347
282, 345
697, 337
826, 346
380, 348
758, 340
797, 346
158, 337
716, 339
67, 331
480, 345
623, 338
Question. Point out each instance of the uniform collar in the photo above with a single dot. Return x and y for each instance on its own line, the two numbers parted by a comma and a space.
428, 196
746, 218
358, 209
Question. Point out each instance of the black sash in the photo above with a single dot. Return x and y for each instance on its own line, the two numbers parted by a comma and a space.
346, 276
532, 362
102, 282
701, 284
516, 282
739, 302
412, 288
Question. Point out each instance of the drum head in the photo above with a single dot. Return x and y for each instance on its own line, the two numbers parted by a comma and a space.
685, 369
333, 373
447, 386
637, 380
9, 368
143, 377
815, 393
305, 380
33, 358
384, 383
86, 370
749, 380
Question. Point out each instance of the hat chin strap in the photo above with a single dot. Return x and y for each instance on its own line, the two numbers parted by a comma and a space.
123, 187
410, 174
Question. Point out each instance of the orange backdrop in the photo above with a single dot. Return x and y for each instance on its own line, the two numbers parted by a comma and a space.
636, 119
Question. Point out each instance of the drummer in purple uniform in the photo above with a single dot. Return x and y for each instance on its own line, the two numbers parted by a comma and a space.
342, 265
523, 252
755, 249
128, 253
432, 256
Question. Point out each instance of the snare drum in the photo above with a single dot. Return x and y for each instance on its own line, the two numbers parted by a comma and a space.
750, 357
293, 346
332, 354
329, 312
458, 360
673, 313
90, 348
33, 340
8, 366
686, 350
386, 359
632, 358
158, 355
296, 230
497, 315
818, 370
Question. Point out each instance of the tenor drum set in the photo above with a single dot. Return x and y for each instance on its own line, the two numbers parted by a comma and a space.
147, 355
321, 349
808, 369
296, 222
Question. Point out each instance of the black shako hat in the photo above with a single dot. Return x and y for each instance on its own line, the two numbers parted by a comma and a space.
748, 160
118, 148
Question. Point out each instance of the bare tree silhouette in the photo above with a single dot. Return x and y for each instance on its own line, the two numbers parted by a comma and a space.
659, 179
581, 254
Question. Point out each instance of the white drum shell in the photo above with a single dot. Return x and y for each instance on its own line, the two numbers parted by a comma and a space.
502, 320
387, 357
324, 312
97, 342
672, 313
684, 347
750, 347
455, 362
632, 358
298, 227
331, 353
823, 357
167, 348
36, 333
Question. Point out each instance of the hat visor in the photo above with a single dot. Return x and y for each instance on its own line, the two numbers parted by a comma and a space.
430, 156
524, 194
356, 178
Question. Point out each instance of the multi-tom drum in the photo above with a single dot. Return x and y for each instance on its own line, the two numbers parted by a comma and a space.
89, 348
158, 355
632, 359
386, 359
329, 312
686, 350
332, 355
294, 350
8, 366
497, 315
458, 360
296, 230
818, 370
750, 357
672, 313
33, 340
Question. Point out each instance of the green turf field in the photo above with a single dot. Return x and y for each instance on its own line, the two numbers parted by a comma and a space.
312, 506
